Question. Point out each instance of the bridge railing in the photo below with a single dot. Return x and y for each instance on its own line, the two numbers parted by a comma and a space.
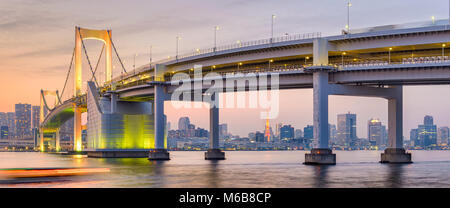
415, 60
240, 44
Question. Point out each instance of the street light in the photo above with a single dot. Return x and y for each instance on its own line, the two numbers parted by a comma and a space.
306, 58
443, 51
150, 54
270, 61
432, 19
215, 37
343, 54
134, 62
271, 36
390, 49
239, 43
176, 55
348, 17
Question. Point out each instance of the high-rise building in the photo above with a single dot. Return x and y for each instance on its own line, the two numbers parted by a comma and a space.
277, 130
308, 132
259, 137
332, 133
287, 133
23, 120
11, 117
183, 123
414, 137
346, 129
375, 132
298, 133
4, 132
3, 119
443, 134
427, 133
223, 130
36, 112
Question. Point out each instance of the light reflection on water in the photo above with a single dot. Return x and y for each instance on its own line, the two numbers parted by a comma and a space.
242, 169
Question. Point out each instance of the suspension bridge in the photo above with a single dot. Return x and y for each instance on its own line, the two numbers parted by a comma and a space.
125, 114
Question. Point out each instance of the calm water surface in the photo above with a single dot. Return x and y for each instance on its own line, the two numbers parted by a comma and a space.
242, 169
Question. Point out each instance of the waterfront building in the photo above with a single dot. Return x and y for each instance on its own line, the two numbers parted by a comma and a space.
23, 120
183, 123
346, 129
443, 134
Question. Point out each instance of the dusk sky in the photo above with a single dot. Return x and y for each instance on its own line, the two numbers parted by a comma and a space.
37, 39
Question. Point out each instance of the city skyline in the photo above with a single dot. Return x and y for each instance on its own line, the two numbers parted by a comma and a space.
52, 58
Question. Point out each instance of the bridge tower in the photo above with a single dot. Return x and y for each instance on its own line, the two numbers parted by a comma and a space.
80, 35
43, 104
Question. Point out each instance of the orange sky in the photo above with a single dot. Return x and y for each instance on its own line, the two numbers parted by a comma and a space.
37, 37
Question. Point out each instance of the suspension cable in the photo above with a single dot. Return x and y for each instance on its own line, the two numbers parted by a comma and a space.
68, 74
87, 57
117, 54
98, 61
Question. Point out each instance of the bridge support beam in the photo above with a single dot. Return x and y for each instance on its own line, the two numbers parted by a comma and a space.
77, 142
160, 152
395, 153
41, 139
58, 140
214, 153
321, 154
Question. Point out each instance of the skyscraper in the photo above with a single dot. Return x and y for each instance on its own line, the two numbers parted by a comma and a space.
286, 133
427, 132
35, 116
4, 132
23, 120
332, 133
346, 129
375, 132
223, 130
443, 134
183, 123
11, 117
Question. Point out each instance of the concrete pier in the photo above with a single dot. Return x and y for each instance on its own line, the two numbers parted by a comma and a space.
159, 153
320, 156
395, 155
214, 154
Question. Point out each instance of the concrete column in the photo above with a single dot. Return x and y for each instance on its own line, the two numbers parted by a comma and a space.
320, 51
320, 108
214, 153
77, 142
395, 153
321, 154
159, 153
57, 140
114, 99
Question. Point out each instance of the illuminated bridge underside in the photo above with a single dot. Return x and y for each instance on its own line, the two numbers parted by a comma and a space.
58, 117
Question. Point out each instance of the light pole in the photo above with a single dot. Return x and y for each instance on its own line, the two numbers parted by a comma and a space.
348, 16
443, 51
390, 49
433, 19
215, 37
271, 31
306, 58
150, 54
270, 61
343, 54
176, 55
134, 63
